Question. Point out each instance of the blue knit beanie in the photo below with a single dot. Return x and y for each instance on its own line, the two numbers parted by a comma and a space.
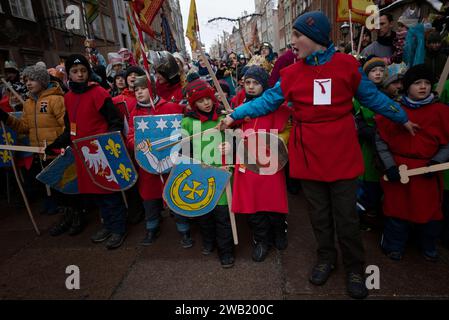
259, 74
315, 26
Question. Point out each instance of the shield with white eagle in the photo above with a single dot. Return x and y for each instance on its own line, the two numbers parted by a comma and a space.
107, 161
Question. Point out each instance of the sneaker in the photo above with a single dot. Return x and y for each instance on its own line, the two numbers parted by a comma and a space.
101, 235
260, 252
355, 285
320, 273
186, 240
151, 237
115, 241
227, 260
393, 255
64, 224
208, 248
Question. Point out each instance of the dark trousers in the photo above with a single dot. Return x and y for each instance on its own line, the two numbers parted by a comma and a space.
396, 233
153, 209
113, 211
445, 228
215, 228
265, 225
333, 208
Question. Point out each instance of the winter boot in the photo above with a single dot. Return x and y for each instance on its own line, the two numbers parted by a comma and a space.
65, 223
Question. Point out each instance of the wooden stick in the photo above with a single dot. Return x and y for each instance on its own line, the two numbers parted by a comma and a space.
443, 78
360, 41
231, 214
25, 199
14, 92
351, 32
125, 200
22, 148
185, 139
405, 173
214, 79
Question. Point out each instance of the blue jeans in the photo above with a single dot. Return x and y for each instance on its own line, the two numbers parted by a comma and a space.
396, 232
153, 209
113, 211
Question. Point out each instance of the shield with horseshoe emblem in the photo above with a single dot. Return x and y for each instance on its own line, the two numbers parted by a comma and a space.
193, 189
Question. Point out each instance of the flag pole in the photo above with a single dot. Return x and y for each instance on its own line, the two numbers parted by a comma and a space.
360, 41
351, 33
19, 183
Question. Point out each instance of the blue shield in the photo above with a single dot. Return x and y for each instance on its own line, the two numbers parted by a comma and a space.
151, 133
22, 140
60, 174
107, 161
5, 155
193, 189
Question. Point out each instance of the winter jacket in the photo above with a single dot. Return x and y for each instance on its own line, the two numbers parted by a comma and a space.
43, 117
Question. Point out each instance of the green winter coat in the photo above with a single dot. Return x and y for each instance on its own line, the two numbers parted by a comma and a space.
198, 145
372, 173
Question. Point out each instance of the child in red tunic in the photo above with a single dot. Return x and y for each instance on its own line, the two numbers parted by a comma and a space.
418, 202
262, 197
90, 111
150, 185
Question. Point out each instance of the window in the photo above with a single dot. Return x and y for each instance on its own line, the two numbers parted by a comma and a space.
22, 9
119, 8
96, 25
108, 28
56, 13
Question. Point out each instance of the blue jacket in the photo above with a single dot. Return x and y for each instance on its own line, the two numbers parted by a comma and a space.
367, 93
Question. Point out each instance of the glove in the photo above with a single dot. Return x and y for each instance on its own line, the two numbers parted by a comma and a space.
430, 175
393, 174
3, 115
49, 150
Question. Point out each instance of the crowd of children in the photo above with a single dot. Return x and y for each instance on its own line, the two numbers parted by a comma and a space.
313, 95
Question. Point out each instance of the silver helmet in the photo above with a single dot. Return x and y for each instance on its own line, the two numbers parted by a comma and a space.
163, 63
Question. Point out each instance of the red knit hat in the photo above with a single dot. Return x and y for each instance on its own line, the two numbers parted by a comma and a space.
197, 90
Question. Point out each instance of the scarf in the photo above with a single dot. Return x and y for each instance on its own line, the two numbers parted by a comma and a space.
412, 104
78, 87
387, 40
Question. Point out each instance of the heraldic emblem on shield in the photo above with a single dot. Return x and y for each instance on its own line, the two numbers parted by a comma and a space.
60, 174
193, 189
151, 133
107, 161
8, 137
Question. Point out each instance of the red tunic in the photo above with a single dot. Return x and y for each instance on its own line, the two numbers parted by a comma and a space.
83, 110
238, 99
129, 98
150, 185
171, 93
261, 193
323, 143
420, 200
4, 104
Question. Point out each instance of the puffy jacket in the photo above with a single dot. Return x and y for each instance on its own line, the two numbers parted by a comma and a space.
42, 119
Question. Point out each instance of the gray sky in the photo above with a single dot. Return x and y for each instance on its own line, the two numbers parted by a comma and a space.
209, 9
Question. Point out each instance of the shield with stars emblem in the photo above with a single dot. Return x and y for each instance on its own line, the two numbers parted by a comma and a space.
107, 161
152, 133
193, 189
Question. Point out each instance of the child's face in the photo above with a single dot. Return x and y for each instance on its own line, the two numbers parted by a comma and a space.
117, 67
253, 87
131, 79
401, 27
160, 78
78, 73
204, 104
33, 87
394, 88
120, 82
376, 75
420, 89
142, 94
434, 46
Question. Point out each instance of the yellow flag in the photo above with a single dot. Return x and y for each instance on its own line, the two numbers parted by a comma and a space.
343, 12
193, 26
359, 6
